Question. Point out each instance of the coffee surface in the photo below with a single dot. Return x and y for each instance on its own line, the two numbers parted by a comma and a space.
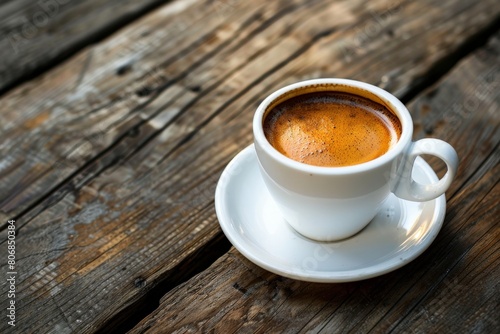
331, 129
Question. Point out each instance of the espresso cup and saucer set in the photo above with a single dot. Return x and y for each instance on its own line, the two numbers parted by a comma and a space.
333, 189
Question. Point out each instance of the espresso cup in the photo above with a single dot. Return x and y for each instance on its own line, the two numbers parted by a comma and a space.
333, 203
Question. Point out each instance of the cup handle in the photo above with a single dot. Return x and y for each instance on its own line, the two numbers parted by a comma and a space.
407, 188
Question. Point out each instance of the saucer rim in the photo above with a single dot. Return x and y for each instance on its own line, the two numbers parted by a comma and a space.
331, 276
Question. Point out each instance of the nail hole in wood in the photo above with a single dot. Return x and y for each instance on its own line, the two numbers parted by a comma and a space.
195, 89
140, 282
124, 69
144, 91
134, 132
239, 288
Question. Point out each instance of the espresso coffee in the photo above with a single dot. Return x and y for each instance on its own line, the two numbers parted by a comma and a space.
331, 129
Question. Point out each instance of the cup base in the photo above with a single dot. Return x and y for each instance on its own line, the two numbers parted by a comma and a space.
328, 239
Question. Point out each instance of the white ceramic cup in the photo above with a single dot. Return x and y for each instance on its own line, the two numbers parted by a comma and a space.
332, 203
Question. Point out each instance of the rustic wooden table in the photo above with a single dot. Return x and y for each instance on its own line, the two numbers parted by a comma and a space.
118, 117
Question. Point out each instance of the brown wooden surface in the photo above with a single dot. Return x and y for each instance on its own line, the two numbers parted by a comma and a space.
109, 161
35, 35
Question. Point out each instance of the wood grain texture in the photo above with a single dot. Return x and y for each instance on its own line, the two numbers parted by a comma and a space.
451, 288
35, 35
111, 166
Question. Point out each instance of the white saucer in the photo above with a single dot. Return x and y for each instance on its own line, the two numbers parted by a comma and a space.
398, 234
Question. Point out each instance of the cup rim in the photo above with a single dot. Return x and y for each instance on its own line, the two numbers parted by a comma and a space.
388, 99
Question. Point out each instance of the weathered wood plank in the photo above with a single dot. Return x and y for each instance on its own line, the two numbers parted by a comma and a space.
142, 156
452, 287
35, 35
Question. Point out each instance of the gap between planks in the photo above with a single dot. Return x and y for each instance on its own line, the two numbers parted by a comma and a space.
132, 314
